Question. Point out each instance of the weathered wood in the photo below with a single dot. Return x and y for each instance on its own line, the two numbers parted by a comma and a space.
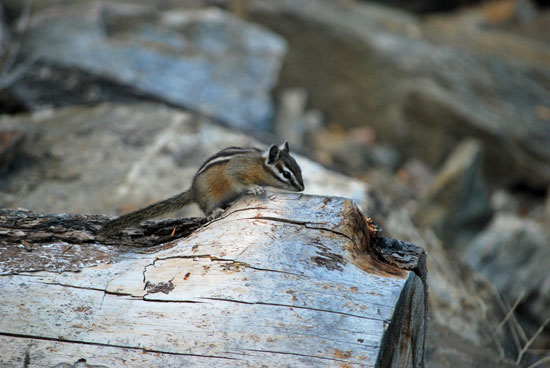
33, 242
289, 280
18, 225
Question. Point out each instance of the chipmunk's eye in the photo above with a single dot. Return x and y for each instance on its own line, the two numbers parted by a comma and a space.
287, 174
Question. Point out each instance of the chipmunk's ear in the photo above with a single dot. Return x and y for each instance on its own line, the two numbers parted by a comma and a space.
284, 147
271, 154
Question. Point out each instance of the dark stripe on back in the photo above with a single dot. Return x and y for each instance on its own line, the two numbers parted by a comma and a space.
204, 167
226, 152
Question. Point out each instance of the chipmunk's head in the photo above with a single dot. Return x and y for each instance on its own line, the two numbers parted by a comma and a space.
283, 169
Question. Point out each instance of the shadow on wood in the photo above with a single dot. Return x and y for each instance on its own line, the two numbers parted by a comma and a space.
291, 280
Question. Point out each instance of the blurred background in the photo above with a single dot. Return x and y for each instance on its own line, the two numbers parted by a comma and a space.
433, 115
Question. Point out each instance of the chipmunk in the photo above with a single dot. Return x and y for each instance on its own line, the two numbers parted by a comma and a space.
221, 180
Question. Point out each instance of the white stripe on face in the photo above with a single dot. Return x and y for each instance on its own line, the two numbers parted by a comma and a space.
292, 179
278, 170
274, 170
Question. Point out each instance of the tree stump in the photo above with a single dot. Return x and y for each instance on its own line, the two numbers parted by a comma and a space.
283, 280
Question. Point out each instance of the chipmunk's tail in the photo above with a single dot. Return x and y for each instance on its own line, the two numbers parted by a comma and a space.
156, 209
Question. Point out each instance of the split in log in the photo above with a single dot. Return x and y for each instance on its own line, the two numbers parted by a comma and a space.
290, 280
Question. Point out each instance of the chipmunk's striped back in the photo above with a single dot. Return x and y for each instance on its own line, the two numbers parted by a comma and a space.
225, 155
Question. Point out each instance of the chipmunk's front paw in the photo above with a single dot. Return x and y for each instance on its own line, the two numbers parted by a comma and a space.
215, 214
256, 190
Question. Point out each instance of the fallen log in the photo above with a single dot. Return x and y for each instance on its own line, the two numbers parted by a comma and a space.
291, 280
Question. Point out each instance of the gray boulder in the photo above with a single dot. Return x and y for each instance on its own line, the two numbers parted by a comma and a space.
457, 205
425, 85
206, 60
514, 253
113, 158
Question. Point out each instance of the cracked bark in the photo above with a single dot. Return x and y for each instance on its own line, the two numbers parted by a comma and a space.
290, 279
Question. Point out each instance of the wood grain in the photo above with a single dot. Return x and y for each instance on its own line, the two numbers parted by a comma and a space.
277, 281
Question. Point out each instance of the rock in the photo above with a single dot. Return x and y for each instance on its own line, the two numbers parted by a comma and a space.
187, 58
535, 28
114, 158
452, 284
355, 151
447, 349
456, 205
44, 84
7, 102
514, 254
424, 85
10, 144
290, 124
5, 36
503, 12
503, 201
294, 122
386, 156
417, 175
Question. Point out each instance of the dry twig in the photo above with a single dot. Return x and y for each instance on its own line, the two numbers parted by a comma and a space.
532, 340
540, 362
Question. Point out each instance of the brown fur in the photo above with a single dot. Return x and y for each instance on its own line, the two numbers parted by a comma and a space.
222, 178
